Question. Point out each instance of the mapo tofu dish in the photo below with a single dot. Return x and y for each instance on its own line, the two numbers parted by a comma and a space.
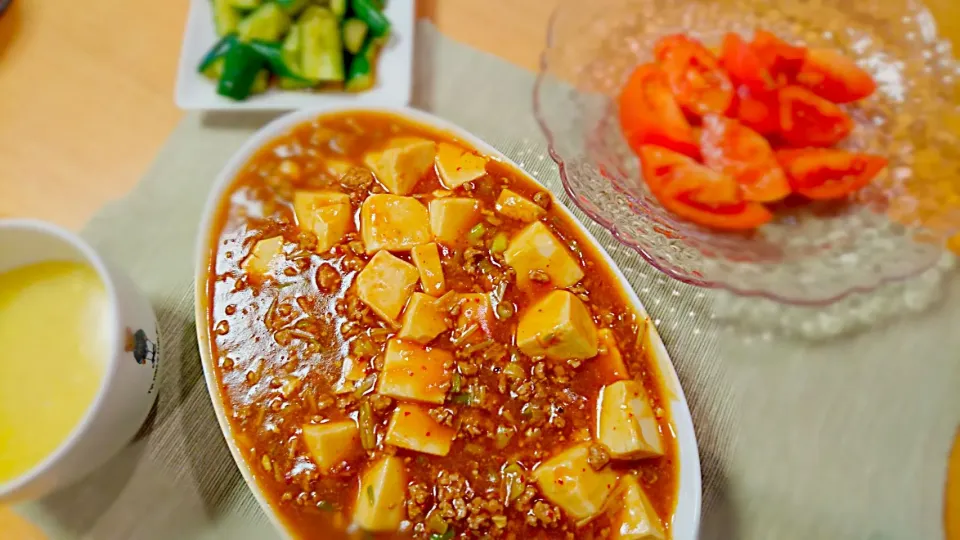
412, 340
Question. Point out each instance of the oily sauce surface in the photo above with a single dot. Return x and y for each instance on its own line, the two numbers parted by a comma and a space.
282, 343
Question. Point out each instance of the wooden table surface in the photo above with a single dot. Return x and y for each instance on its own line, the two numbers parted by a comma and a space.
86, 101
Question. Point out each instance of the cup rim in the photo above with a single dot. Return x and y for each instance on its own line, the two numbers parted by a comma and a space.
111, 360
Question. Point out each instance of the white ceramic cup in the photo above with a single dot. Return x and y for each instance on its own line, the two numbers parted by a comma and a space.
127, 390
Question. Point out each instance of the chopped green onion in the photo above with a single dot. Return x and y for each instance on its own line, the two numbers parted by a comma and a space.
325, 506
513, 483
476, 233
515, 371
457, 383
499, 243
435, 522
479, 395
370, 496
534, 412
503, 437
445, 536
473, 448
463, 398
368, 430
505, 310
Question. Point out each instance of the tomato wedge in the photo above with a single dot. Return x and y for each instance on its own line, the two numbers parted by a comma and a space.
758, 109
782, 60
650, 115
743, 64
697, 193
834, 76
698, 82
741, 153
807, 119
671, 174
827, 173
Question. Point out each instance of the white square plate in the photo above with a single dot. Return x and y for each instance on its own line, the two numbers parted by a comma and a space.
394, 69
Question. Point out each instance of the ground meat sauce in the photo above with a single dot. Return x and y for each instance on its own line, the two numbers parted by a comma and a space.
296, 346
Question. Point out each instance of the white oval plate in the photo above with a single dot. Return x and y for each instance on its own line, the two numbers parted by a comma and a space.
394, 69
686, 517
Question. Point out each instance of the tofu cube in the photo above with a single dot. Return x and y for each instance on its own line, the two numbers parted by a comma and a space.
451, 218
414, 372
636, 519
515, 206
393, 223
626, 423
423, 319
338, 167
263, 252
426, 257
609, 363
385, 284
382, 496
457, 166
411, 427
332, 443
327, 214
402, 164
558, 326
568, 481
305, 202
536, 248
475, 308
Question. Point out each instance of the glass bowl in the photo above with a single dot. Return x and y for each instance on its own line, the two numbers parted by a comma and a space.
812, 253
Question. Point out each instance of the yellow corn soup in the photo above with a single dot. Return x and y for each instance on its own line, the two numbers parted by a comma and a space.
54, 336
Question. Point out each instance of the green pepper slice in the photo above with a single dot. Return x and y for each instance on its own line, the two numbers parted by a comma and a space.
368, 12
217, 51
241, 64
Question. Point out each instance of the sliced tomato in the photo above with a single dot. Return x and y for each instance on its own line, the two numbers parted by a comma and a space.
650, 115
827, 173
671, 174
739, 216
741, 153
782, 60
696, 78
758, 109
834, 76
807, 119
697, 193
743, 64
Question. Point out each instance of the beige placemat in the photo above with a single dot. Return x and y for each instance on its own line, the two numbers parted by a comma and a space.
843, 439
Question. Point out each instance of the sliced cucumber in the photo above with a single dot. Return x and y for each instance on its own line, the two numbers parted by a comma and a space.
321, 55
261, 83
339, 8
362, 67
246, 5
214, 69
225, 17
292, 7
268, 23
291, 57
354, 32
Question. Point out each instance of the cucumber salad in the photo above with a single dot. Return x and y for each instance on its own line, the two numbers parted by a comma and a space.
295, 44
